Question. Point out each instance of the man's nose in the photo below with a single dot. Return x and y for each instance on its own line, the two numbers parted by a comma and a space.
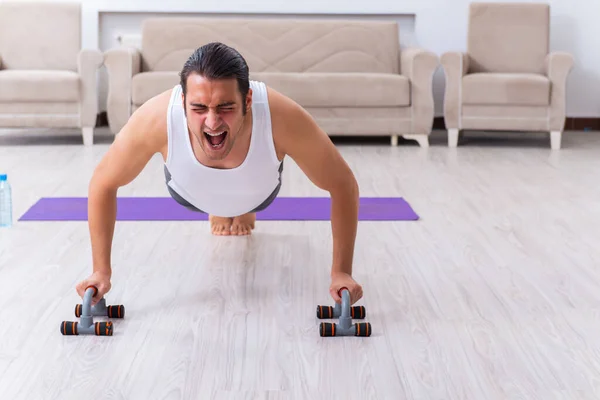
213, 120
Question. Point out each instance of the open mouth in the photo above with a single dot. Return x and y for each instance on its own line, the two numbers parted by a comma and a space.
216, 139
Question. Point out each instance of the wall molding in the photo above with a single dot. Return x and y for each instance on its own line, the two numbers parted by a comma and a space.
92, 10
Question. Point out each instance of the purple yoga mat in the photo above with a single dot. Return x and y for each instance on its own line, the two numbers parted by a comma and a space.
167, 209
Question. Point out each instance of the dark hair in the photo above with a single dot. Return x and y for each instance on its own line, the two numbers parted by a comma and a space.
216, 60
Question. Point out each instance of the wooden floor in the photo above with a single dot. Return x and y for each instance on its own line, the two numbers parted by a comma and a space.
493, 294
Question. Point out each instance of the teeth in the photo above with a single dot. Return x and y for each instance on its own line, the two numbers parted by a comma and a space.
214, 134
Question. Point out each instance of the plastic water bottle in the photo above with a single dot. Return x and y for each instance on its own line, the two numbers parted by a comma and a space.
5, 202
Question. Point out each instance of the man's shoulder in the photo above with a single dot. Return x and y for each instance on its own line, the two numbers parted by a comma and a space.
282, 107
157, 105
152, 114
288, 120
150, 121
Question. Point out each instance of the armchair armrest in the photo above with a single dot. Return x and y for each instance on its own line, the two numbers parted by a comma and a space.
88, 63
558, 65
419, 66
456, 65
122, 64
1, 62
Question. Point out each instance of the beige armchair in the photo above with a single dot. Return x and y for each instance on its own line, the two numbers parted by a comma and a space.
46, 79
507, 80
351, 76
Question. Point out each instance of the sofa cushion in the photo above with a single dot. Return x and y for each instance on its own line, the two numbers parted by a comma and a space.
322, 89
506, 89
39, 86
146, 85
307, 89
276, 44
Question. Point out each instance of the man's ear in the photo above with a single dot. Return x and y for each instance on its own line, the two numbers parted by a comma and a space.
249, 100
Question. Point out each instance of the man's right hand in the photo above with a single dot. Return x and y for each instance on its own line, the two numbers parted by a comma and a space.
100, 280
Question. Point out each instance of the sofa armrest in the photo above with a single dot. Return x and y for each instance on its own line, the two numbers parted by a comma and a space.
121, 64
558, 65
88, 63
419, 66
455, 65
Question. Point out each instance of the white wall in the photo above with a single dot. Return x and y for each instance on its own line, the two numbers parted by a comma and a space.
438, 25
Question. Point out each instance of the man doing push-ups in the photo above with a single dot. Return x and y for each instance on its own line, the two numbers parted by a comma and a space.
223, 139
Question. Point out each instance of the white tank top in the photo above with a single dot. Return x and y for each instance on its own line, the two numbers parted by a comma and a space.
223, 192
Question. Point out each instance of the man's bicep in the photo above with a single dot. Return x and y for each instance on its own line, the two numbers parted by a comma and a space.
314, 152
130, 152
122, 163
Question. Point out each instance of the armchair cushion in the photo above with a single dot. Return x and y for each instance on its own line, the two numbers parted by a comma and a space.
40, 35
39, 86
506, 89
508, 37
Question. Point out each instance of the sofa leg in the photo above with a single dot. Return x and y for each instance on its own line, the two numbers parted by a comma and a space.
422, 140
394, 140
88, 136
555, 139
452, 137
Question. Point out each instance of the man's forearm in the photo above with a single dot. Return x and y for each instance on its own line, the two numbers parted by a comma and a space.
102, 213
344, 221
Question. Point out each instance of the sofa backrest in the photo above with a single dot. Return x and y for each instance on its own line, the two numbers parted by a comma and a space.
508, 37
40, 35
275, 45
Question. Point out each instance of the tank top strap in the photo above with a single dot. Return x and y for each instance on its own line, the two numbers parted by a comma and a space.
176, 127
264, 145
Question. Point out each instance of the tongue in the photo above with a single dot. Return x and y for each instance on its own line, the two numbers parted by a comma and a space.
216, 140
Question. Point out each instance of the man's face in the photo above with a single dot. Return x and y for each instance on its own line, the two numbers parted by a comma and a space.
214, 111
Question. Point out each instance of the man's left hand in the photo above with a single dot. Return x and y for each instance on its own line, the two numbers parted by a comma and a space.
340, 280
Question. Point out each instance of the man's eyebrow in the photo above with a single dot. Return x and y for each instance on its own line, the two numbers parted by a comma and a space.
227, 103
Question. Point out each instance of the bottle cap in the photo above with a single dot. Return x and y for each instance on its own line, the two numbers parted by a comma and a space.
2, 177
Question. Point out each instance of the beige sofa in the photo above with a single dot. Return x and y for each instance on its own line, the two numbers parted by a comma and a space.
46, 79
507, 80
350, 75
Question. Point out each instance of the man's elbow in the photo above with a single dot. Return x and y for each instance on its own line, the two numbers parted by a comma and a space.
346, 187
355, 190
